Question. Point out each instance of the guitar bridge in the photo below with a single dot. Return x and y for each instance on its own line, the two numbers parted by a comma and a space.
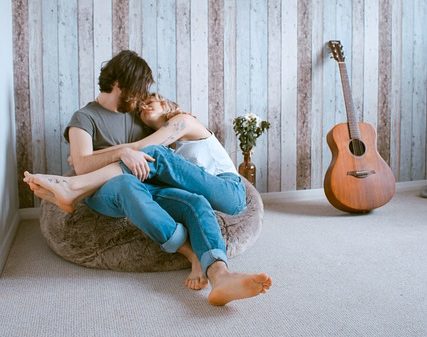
361, 174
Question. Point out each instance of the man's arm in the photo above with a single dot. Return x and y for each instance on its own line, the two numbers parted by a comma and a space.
85, 160
82, 155
183, 126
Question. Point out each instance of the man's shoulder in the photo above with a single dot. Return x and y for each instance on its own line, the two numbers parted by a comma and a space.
89, 109
84, 119
91, 112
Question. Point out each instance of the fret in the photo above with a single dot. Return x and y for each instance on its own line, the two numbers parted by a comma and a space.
338, 55
348, 100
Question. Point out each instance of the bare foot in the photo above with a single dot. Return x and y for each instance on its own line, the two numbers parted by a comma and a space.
44, 194
196, 280
227, 287
65, 193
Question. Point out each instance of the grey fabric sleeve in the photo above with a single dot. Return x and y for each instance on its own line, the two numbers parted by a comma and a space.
82, 121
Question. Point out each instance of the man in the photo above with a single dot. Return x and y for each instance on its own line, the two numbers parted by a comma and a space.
111, 120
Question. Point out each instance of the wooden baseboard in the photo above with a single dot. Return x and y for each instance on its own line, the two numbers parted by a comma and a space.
411, 185
29, 213
318, 193
300, 195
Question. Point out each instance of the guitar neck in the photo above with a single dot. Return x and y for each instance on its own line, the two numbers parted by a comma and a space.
348, 100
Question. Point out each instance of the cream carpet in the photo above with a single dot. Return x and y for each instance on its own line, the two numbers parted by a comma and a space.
333, 274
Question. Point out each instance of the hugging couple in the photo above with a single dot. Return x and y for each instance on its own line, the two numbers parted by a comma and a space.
119, 150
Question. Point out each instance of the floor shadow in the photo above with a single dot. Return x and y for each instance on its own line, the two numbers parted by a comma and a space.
314, 208
194, 302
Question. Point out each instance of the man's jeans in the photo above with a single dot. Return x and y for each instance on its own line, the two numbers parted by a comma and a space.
225, 192
176, 192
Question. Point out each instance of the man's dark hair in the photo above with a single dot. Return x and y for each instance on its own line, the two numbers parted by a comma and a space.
130, 71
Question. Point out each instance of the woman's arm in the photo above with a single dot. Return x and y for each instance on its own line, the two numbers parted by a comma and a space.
182, 126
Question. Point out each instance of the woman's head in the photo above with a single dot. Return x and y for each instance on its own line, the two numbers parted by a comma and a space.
156, 100
132, 75
156, 108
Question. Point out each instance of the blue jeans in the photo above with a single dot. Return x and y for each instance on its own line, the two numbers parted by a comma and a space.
158, 207
225, 192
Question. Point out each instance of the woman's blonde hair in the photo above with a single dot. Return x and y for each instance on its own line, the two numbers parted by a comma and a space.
170, 108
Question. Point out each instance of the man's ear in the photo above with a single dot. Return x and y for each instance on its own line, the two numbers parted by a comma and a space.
116, 88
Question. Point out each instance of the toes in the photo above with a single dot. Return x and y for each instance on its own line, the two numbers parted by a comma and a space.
262, 277
266, 285
189, 283
196, 283
27, 176
202, 283
33, 186
193, 284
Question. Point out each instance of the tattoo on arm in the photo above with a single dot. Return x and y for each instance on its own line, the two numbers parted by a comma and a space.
176, 128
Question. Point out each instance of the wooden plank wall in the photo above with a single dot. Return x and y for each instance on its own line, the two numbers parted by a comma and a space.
223, 58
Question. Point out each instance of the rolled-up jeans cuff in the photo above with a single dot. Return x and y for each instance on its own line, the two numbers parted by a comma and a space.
177, 239
210, 257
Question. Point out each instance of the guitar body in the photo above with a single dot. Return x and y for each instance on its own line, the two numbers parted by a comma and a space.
358, 179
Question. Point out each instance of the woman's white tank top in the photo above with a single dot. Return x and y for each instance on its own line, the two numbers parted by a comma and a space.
207, 153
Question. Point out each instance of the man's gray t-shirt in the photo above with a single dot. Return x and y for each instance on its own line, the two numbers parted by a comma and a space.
108, 128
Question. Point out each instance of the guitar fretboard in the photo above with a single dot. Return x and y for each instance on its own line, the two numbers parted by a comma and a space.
348, 100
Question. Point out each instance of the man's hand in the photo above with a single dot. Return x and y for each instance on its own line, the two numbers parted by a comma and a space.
136, 161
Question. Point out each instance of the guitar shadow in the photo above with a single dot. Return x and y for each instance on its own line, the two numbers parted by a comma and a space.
312, 208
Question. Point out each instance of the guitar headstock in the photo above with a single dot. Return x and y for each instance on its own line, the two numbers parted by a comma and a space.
337, 52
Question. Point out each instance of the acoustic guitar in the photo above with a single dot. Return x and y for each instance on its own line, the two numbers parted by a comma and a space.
358, 179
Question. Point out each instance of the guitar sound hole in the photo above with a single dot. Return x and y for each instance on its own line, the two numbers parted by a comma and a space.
357, 147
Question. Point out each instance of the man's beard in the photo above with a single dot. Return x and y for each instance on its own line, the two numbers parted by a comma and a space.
126, 105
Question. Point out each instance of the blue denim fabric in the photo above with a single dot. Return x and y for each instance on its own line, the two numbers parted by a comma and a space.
126, 196
176, 192
225, 192
195, 212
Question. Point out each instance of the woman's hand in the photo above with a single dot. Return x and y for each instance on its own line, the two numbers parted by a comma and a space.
137, 162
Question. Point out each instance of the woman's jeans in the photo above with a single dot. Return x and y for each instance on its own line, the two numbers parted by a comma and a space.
176, 192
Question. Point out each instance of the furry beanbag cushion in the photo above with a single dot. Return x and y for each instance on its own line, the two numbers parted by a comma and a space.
93, 240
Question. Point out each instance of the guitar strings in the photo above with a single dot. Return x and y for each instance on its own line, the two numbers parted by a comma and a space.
357, 147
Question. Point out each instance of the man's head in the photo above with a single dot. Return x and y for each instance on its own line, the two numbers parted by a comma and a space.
132, 75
